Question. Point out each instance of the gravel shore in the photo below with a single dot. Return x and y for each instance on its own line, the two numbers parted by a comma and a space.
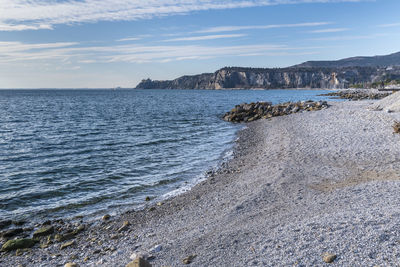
298, 186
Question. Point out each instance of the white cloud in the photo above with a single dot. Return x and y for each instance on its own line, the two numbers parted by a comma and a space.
330, 30
30, 14
351, 37
23, 27
8, 47
206, 37
261, 27
73, 54
390, 25
129, 39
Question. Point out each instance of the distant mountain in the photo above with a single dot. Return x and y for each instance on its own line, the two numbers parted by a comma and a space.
351, 72
376, 61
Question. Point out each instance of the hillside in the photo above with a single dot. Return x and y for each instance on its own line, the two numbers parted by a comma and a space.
375, 61
350, 72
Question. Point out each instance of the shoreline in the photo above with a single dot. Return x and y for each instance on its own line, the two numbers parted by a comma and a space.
282, 199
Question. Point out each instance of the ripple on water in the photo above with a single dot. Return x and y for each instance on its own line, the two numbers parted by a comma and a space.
70, 152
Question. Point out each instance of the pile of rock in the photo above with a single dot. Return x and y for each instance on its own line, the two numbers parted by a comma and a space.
264, 110
45, 235
357, 95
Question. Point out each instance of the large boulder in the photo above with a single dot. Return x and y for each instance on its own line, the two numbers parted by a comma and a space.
18, 243
44, 231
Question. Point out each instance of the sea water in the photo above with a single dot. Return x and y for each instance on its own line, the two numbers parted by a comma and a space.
65, 153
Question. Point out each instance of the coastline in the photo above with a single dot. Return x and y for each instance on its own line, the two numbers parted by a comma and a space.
297, 186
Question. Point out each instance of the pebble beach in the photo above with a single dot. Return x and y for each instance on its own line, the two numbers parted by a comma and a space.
308, 189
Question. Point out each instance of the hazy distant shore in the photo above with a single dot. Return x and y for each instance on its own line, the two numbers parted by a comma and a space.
297, 187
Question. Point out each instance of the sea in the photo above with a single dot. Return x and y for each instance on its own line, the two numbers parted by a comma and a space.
73, 153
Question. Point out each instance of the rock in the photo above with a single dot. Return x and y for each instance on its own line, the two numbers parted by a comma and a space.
139, 262
357, 95
44, 231
12, 232
4, 224
106, 217
18, 223
68, 244
114, 237
254, 111
124, 226
43, 246
71, 264
156, 249
48, 222
19, 252
396, 127
79, 229
329, 257
189, 259
141, 254
64, 237
18, 243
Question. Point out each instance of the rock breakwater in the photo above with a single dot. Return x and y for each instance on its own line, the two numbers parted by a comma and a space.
265, 110
357, 95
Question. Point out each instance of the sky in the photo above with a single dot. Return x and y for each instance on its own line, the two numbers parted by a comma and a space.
111, 43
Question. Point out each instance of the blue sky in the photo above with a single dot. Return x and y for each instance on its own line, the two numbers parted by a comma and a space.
109, 43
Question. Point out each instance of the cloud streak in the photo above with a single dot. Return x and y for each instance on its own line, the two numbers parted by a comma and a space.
330, 30
206, 37
390, 25
16, 15
60, 53
261, 27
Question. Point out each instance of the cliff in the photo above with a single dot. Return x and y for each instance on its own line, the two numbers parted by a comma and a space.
305, 75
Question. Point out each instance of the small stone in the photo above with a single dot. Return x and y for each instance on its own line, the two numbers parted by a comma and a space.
156, 249
189, 259
106, 217
124, 226
43, 246
142, 255
18, 243
86, 259
160, 203
48, 222
44, 231
139, 262
68, 244
147, 198
71, 264
64, 237
152, 209
19, 252
79, 229
114, 237
329, 257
